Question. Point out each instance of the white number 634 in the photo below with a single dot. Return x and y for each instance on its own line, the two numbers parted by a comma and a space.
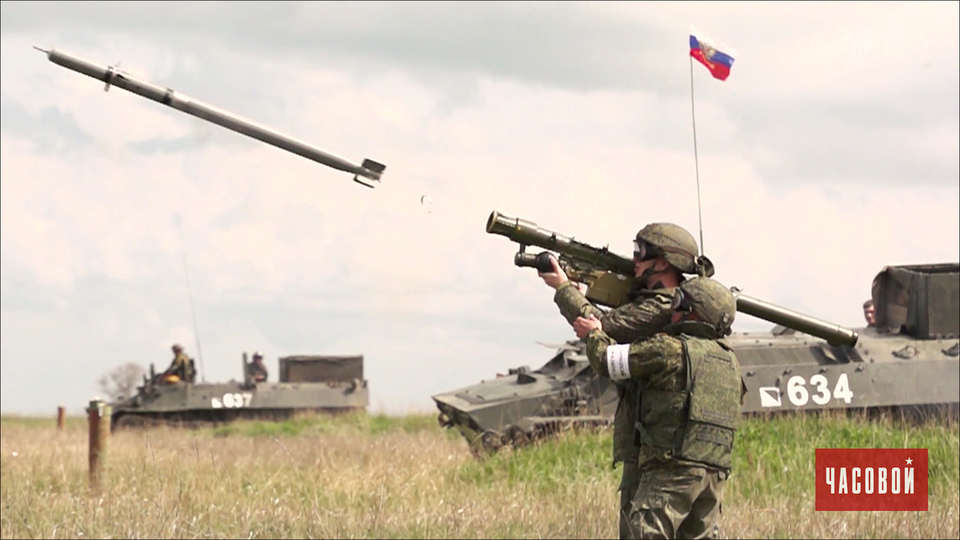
798, 394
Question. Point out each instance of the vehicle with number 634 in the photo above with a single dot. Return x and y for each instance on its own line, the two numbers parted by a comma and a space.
909, 358
908, 361
330, 384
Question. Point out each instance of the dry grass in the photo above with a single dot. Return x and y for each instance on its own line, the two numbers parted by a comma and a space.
374, 477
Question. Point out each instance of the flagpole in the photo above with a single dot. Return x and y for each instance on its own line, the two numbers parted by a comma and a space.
696, 160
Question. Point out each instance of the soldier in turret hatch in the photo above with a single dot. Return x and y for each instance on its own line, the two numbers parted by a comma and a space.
181, 368
258, 371
870, 313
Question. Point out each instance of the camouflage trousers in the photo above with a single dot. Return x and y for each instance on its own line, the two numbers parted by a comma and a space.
628, 488
672, 500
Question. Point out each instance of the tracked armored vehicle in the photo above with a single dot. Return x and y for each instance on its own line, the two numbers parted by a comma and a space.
330, 384
910, 359
526, 404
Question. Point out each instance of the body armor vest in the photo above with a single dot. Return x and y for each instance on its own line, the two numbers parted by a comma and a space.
697, 423
183, 367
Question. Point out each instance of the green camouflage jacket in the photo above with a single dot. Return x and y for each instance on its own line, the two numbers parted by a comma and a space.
658, 365
641, 318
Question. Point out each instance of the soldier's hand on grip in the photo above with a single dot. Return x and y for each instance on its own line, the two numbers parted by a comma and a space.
557, 277
583, 326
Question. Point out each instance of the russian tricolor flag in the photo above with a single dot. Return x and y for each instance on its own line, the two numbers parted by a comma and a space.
717, 58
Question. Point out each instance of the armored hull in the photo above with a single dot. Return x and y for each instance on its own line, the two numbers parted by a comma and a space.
524, 405
308, 384
799, 372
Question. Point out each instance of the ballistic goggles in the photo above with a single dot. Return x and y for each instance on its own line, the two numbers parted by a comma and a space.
681, 302
643, 251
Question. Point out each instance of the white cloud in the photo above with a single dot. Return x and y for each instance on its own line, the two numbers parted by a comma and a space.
289, 256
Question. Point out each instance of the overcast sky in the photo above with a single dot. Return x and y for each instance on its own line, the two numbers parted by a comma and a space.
831, 151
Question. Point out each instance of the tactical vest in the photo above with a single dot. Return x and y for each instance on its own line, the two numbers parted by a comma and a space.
184, 368
625, 447
697, 423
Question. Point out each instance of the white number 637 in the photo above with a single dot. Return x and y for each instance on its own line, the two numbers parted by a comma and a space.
231, 400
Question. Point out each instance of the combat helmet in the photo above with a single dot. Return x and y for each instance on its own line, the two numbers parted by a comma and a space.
177, 347
675, 244
713, 303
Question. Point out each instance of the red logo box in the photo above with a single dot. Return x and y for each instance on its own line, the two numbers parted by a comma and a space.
871, 479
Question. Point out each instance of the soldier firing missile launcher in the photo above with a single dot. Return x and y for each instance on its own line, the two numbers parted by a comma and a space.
906, 363
369, 169
609, 276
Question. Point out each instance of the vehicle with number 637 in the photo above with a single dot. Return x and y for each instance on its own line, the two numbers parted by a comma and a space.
330, 384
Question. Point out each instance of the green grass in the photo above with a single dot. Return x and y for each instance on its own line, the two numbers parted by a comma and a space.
548, 467
358, 424
398, 477
774, 457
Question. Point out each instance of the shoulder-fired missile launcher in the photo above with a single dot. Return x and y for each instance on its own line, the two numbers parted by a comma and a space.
328, 384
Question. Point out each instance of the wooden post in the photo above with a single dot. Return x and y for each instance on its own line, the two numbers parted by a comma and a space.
98, 416
61, 415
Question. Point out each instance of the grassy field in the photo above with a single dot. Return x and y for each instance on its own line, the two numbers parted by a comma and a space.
385, 477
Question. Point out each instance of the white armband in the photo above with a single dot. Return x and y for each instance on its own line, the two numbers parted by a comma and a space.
618, 362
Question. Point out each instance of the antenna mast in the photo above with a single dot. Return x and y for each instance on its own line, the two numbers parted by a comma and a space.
193, 313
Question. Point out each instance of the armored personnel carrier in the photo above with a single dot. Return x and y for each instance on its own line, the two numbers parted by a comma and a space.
331, 384
529, 404
908, 360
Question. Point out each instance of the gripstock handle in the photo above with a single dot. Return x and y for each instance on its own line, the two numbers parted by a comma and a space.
540, 261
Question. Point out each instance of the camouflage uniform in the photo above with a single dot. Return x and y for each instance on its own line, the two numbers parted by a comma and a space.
181, 367
257, 371
649, 313
684, 450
